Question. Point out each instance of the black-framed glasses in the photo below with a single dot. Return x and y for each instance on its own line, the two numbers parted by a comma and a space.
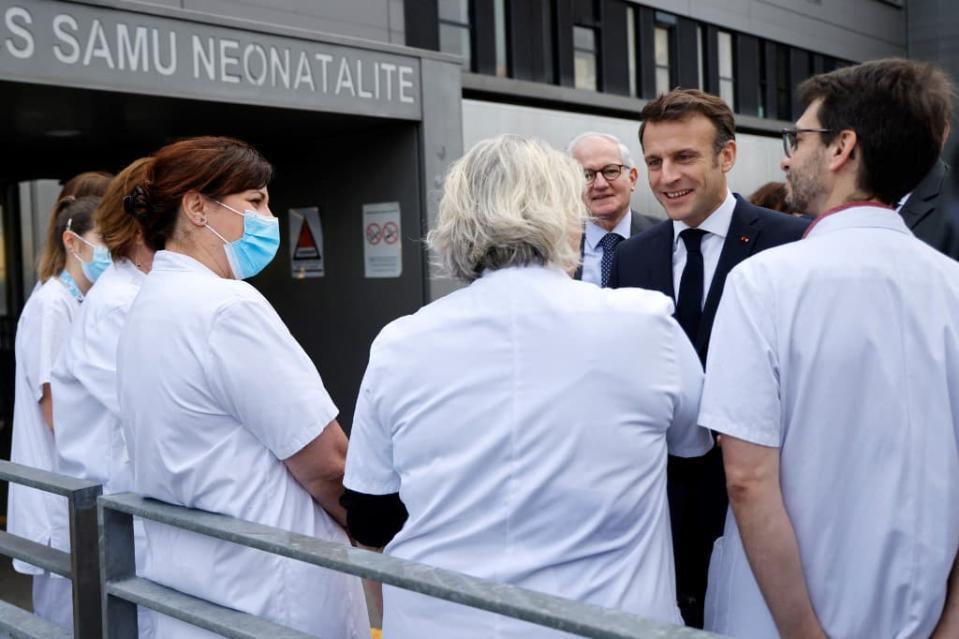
610, 172
791, 138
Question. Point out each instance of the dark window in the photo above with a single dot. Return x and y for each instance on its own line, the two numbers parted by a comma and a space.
727, 82
584, 58
586, 45
763, 85
665, 52
499, 19
783, 92
455, 32
632, 49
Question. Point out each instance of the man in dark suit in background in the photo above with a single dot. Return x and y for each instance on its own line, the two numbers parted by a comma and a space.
610, 180
928, 214
689, 145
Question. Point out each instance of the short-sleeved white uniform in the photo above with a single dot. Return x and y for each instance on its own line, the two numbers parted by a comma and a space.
41, 331
89, 441
524, 420
842, 350
214, 393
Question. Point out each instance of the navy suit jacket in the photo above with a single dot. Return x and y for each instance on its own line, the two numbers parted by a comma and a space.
929, 212
646, 260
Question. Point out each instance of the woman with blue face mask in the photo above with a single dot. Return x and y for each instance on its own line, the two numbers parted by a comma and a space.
222, 408
41, 331
89, 442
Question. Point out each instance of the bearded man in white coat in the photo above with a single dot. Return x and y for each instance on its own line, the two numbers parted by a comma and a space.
833, 377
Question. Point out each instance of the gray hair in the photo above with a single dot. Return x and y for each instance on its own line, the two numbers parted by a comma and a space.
510, 201
625, 157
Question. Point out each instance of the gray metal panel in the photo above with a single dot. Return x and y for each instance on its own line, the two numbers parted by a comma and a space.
572, 100
441, 142
367, 19
20, 624
44, 480
85, 562
199, 612
934, 36
59, 43
849, 29
336, 317
555, 612
117, 563
51, 559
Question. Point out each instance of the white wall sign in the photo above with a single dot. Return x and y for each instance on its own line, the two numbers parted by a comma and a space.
306, 243
382, 241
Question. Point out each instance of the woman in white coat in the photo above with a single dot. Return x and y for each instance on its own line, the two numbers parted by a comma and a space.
522, 422
70, 263
223, 409
89, 441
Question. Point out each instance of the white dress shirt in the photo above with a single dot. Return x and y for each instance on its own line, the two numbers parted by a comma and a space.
842, 350
482, 411
214, 394
593, 252
717, 226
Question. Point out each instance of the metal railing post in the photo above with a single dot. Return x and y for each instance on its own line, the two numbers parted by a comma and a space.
117, 562
81, 565
85, 562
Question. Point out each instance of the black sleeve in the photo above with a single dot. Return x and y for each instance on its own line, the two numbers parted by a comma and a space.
373, 520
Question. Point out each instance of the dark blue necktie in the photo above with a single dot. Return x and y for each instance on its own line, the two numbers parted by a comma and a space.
609, 242
689, 309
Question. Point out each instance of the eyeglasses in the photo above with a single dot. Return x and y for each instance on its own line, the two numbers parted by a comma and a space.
610, 172
791, 138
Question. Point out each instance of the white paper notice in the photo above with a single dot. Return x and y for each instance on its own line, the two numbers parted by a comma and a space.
306, 243
382, 248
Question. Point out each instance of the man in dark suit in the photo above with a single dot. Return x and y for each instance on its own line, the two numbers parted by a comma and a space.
928, 214
689, 146
610, 180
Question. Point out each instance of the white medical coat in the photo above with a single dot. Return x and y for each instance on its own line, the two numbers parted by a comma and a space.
214, 393
524, 420
842, 350
41, 331
89, 440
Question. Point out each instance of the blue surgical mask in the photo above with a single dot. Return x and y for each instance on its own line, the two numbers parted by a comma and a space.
251, 253
95, 267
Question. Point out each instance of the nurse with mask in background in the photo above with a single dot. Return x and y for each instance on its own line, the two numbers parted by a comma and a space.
89, 443
70, 263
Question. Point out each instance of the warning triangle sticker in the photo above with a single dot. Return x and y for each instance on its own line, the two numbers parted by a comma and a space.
306, 248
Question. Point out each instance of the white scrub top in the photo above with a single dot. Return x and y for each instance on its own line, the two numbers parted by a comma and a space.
214, 393
42, 328
525, 421
89, 439
842, 350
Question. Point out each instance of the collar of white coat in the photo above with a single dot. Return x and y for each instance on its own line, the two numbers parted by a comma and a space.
530, 270
595, 233
128, 269
173, 261
717, 223
859, 216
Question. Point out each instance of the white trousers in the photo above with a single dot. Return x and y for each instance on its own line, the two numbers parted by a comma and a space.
53, 599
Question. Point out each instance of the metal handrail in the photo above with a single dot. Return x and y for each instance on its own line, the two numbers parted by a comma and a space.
81, 565
123, 590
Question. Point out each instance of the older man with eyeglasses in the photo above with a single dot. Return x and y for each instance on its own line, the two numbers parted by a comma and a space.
610, 181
